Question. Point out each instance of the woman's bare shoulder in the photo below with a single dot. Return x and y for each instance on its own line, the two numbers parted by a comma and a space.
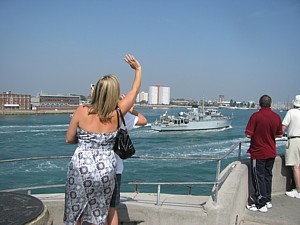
82, 110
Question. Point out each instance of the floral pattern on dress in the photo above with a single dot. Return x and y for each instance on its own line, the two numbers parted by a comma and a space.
90, 178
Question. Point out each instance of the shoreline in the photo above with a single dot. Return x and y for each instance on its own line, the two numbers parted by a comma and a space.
70, 111
34, 112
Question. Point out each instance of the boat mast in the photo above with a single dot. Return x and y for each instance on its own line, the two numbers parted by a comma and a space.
203, 106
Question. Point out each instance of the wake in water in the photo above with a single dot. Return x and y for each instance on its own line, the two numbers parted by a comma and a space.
44, 135
33, 128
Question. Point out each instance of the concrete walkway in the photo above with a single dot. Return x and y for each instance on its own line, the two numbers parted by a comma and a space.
183, 209
230, 208
141, 208
285, 211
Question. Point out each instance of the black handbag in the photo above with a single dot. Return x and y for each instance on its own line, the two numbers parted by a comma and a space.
123, 145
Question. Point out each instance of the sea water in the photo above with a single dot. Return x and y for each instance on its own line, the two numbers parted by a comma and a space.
42, 135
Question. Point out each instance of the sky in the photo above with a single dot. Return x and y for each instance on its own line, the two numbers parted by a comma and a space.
200, 49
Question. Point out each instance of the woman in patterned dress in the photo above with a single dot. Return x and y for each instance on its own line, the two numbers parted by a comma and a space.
91, 172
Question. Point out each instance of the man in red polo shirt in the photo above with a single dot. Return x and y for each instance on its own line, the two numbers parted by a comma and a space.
263, 127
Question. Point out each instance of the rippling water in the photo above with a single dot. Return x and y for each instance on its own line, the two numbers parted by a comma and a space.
23, 136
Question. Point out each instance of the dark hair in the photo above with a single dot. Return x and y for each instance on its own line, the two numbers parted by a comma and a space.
265, 101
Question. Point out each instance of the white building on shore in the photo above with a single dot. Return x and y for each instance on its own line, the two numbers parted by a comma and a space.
159, 95
143, 96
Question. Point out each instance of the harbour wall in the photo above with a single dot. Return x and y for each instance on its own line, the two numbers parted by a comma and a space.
229, 209
234, 193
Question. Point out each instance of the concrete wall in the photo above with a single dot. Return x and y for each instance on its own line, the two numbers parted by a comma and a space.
43, 219
282, 176
232, 197
234, 192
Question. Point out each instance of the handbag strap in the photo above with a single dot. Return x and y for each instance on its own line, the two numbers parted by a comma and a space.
119, 112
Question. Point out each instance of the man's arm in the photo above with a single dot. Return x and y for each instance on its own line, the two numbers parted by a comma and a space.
250, 128
134, 118
283, 128
142, 121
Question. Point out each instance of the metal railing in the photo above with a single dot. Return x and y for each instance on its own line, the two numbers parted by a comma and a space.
216, 183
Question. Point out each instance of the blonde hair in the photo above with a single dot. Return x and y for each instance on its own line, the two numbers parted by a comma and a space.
105, 97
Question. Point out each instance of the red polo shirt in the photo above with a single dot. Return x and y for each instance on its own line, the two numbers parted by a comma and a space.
263, 126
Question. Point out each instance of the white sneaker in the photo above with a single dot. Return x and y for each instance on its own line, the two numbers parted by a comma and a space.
293, 193
263, 209
252, 207
269, 205
255, 209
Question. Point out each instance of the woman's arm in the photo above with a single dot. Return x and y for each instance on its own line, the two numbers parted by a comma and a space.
71, 135
127, 102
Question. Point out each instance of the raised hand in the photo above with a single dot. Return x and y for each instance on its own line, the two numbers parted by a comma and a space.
134, 64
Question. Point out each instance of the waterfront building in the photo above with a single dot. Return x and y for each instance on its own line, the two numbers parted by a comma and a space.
153, 95
225, 104
35, 102
221, 98
159, 95
182, 102
9, 100
164, 95
143, 97
58, 102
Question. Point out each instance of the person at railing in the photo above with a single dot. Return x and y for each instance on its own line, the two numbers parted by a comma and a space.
291, 123
263, 127
91, 172
132, 118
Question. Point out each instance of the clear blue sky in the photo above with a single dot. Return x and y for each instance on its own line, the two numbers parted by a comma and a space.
241, 49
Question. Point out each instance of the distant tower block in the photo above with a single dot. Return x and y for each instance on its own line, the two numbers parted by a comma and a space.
159, 95
221, 98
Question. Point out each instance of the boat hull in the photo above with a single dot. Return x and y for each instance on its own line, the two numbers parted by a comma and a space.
193, 125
